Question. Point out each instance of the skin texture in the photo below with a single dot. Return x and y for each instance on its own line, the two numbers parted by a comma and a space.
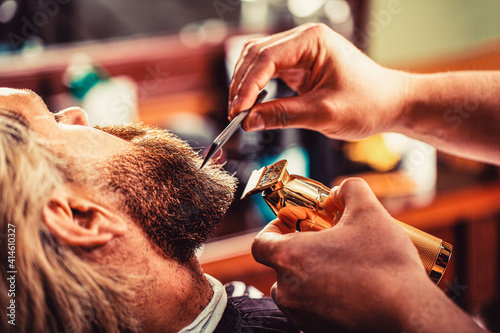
363, 274
88, 214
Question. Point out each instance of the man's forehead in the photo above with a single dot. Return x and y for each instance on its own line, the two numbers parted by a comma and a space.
19, 93
25, 102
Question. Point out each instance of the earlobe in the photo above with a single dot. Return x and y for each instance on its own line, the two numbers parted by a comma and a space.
78, 221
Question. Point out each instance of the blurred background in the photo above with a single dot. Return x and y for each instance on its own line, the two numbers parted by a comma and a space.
169, 63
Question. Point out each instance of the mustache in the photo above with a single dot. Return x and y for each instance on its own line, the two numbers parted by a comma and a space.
154, 140
128, 132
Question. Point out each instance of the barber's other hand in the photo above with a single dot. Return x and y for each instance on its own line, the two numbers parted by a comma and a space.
354, 276
342, 93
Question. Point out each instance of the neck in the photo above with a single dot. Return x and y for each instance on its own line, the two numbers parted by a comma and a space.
169, 295
173, 296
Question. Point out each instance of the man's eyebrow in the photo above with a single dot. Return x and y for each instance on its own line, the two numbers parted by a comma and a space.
17, 117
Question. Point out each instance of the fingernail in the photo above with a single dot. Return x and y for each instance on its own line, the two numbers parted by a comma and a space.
229, 110
235, 101
256, 122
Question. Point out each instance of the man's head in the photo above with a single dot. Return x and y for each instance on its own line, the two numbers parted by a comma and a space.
42, 278
73, 193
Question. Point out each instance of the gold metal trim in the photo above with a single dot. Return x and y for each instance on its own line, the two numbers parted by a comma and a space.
441, 263
279, 190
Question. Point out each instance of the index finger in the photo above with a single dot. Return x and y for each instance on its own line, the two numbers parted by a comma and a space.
260, 62
268, 242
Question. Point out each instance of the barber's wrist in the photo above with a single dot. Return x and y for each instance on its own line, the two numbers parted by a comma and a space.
411, 306
419, 116
423, 307
403, 101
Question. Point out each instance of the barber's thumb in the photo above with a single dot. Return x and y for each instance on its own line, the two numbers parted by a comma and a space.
353, 193
280, 113
269, 242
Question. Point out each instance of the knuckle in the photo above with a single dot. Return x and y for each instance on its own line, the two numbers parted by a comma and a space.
262, 251
324, 104
280, 115
251, 41
318, 28
256, 247
251, 48
323, 108
264, 54
248, 43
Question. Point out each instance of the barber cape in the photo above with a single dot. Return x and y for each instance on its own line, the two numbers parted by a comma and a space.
237, 307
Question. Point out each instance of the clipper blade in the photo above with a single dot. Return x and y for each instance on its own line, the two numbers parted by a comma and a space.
274, 175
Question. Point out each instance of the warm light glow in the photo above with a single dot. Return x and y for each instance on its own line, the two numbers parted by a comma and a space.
304, 8
198, 33
374, 152
337, 11
7, 10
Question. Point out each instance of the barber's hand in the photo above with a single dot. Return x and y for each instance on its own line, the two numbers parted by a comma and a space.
354, 276
342, 93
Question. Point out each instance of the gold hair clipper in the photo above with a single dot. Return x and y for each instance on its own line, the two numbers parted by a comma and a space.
279, 189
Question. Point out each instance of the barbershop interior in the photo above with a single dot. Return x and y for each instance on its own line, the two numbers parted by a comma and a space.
169, 64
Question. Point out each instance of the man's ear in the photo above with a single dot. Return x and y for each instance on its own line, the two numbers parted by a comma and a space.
77, 221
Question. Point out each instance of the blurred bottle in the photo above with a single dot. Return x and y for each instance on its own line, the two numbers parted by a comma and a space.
107, 100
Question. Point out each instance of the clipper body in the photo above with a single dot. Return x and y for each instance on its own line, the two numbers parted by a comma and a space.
279, 190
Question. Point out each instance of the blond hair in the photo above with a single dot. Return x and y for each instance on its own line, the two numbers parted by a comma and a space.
56, 288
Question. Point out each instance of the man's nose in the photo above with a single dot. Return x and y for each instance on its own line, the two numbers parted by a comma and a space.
73, 116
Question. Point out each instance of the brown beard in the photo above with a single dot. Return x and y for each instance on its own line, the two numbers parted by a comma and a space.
165, 192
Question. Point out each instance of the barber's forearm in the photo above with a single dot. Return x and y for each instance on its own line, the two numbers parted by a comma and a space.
458, 113
425, 308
